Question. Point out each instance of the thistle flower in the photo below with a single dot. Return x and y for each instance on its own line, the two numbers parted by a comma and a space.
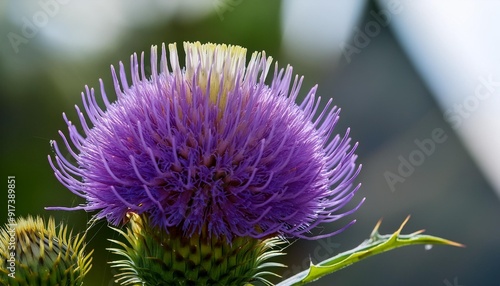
210, 147
34, 253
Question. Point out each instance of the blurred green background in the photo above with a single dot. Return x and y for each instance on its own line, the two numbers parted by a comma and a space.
382, 97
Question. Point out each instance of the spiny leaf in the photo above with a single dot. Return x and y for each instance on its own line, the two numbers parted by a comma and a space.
376, 244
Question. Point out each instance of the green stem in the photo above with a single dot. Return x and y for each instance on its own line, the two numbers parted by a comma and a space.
376, 244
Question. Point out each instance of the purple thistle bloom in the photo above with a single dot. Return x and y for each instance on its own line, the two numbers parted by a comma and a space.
210, 146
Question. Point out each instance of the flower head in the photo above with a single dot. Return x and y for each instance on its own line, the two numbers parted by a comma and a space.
33, 252
210, 146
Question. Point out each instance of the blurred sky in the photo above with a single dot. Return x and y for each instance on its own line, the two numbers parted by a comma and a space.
418, 83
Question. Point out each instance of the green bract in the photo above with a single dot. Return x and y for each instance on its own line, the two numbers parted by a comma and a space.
155, 257
34, 253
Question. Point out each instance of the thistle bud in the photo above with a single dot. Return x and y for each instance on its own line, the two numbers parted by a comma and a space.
35, 253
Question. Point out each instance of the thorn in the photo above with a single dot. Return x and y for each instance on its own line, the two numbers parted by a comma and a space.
453, 243
418, 232
375, 229
402, 225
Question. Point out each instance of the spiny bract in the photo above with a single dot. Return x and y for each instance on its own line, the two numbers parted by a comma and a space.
35, 253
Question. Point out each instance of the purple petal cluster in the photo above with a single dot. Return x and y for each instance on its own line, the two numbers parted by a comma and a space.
209, 146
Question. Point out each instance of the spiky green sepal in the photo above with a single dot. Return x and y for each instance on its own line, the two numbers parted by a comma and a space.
34, 253
154, 257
